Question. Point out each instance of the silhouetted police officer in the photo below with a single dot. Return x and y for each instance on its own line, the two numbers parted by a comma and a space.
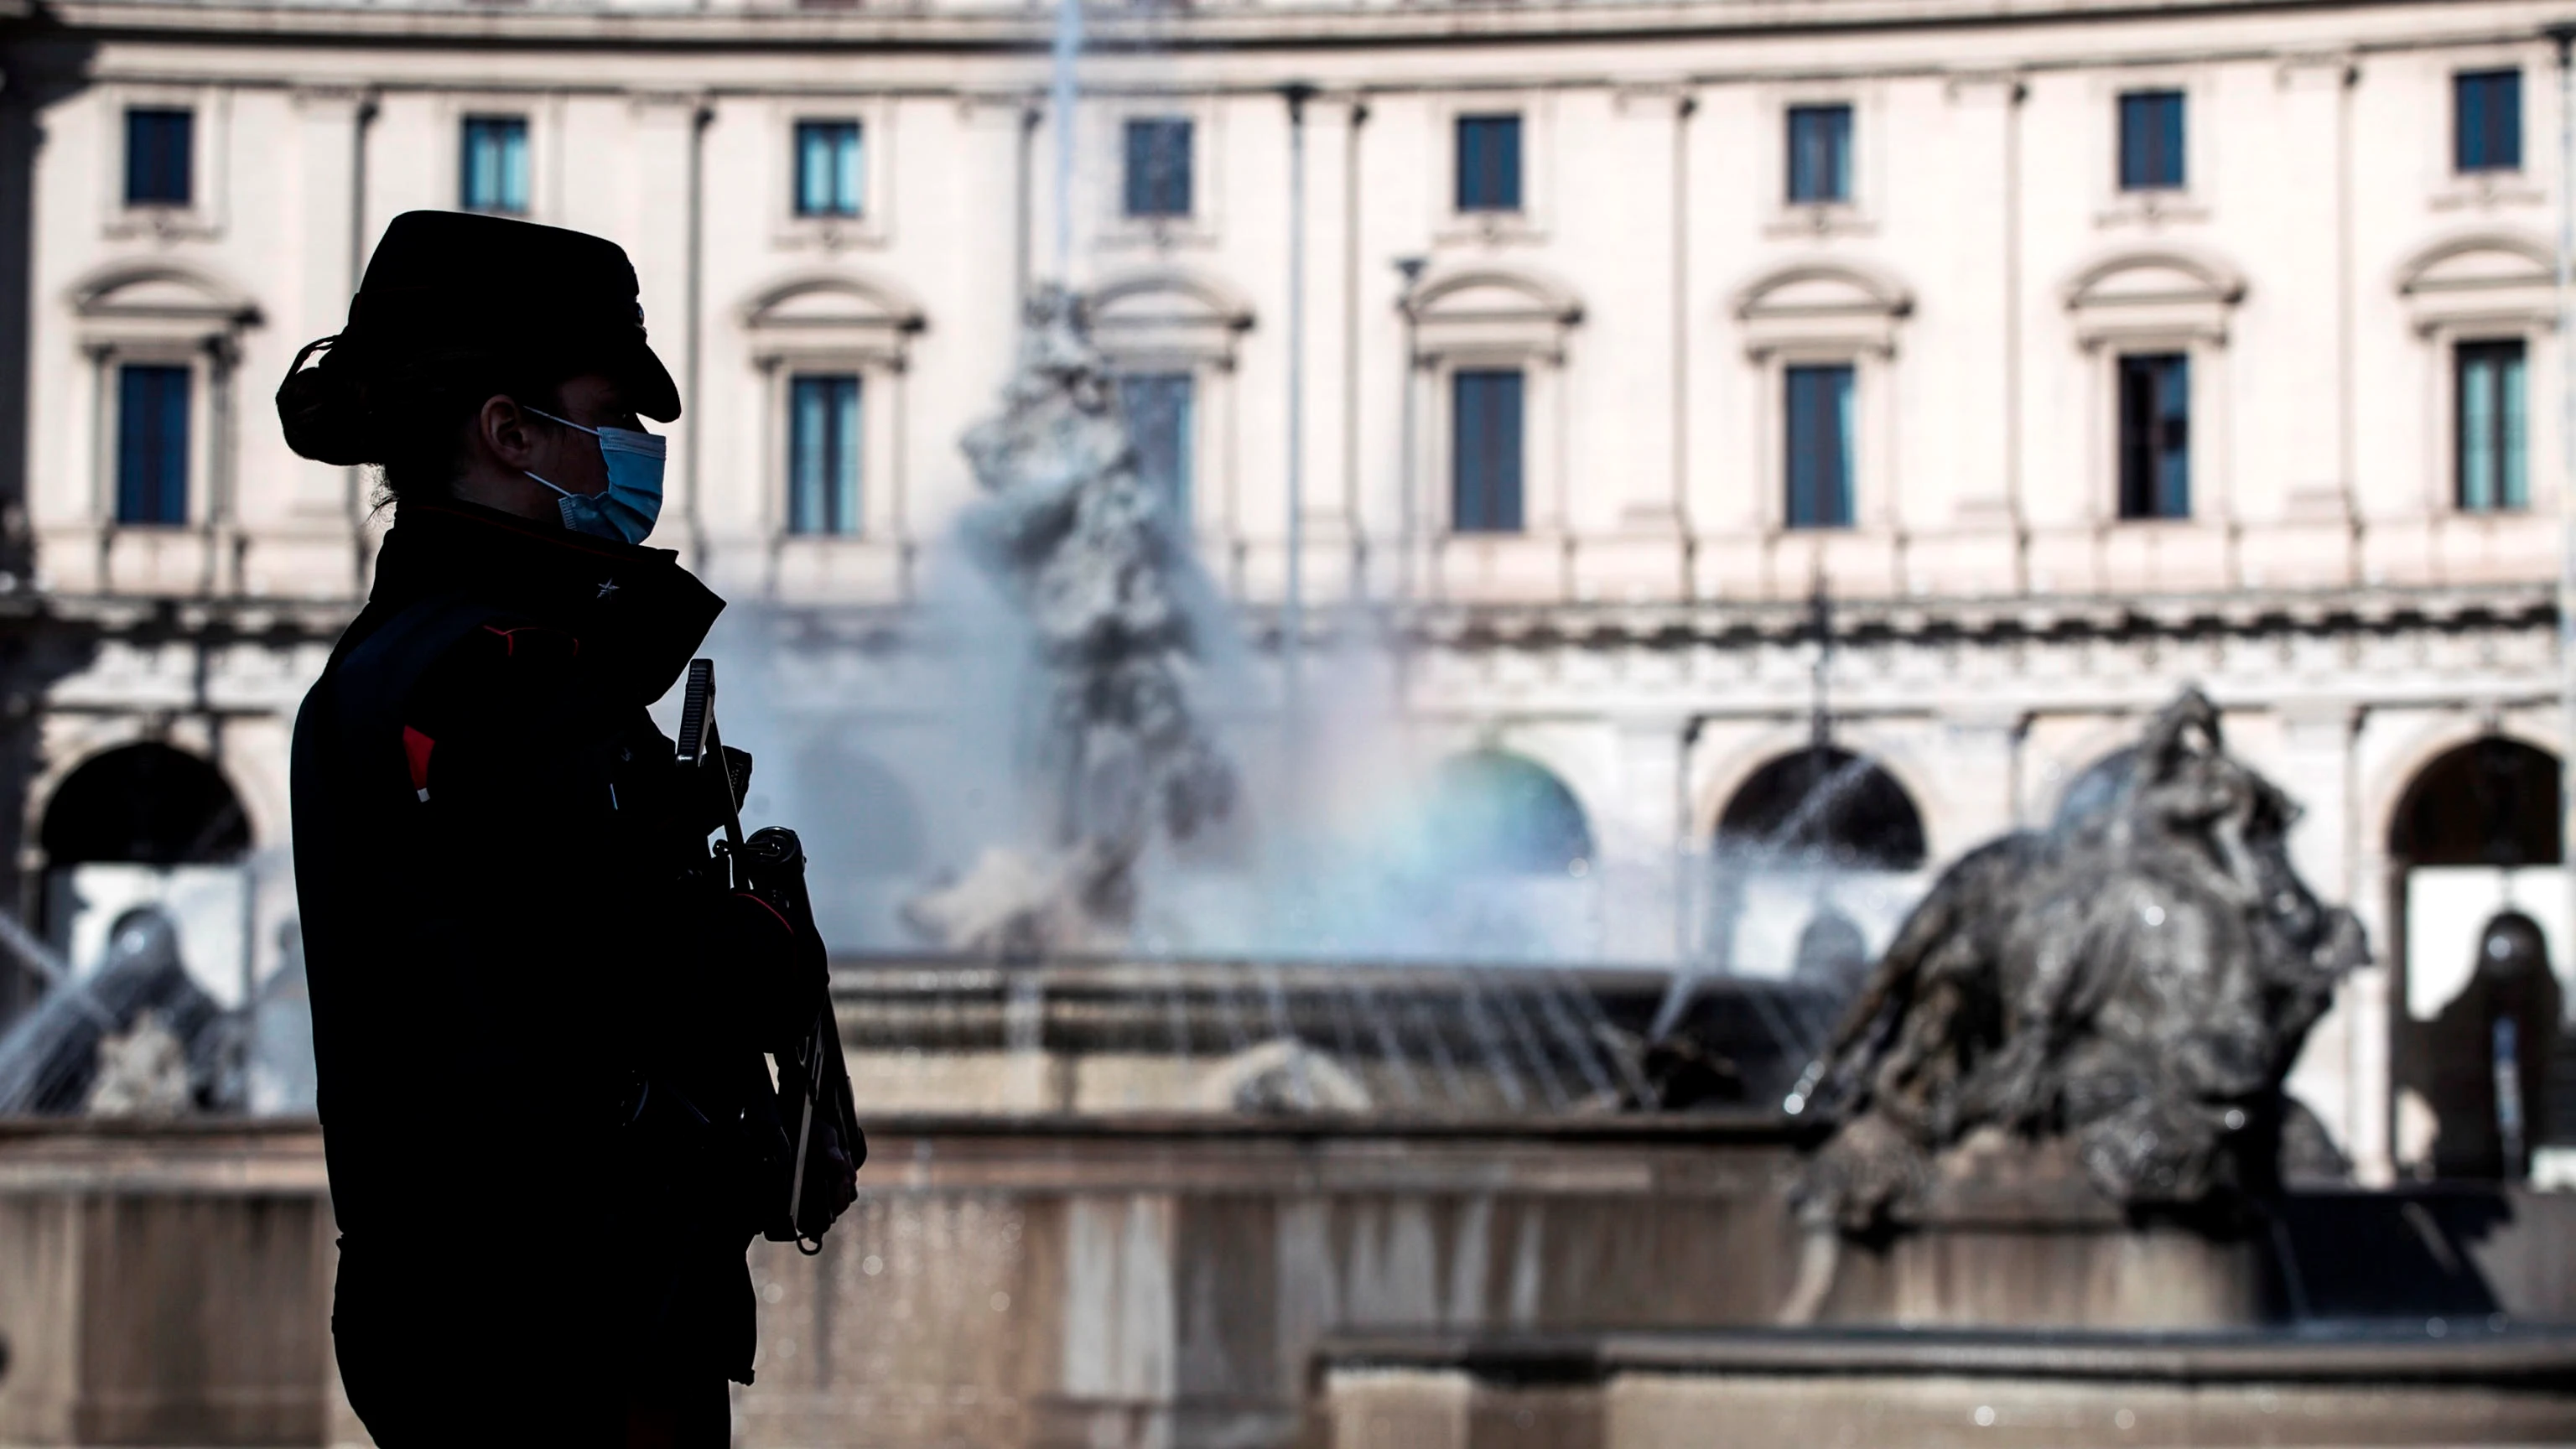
537, 1025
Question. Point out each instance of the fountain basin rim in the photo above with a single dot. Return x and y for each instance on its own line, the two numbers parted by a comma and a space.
2363, 1351
1749, 1127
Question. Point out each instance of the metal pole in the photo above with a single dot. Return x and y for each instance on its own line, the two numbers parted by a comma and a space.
2565, 36
1292, 624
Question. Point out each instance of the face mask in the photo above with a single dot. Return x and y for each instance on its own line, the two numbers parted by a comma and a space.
633, 499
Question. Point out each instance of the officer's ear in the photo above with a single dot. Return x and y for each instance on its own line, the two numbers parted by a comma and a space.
504, 432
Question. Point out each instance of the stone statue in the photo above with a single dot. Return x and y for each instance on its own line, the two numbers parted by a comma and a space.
1076, 539
2131, 986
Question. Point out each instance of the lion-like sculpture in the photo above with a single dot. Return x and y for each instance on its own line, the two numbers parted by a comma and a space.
2136, 980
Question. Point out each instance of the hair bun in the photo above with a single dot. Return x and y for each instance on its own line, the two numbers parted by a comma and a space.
323, 410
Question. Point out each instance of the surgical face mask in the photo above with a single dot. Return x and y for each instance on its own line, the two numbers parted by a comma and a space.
626, 509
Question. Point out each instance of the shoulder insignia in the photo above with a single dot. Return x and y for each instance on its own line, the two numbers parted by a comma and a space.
416, 748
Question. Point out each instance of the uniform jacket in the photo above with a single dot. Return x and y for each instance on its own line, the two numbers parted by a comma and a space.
505, 938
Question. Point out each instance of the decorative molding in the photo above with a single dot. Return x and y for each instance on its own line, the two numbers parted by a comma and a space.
1822, 305
832, 316
1168, 312
2481, 279
1492, 310
2159, 293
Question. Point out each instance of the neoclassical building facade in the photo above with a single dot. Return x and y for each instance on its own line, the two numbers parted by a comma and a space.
1644, 374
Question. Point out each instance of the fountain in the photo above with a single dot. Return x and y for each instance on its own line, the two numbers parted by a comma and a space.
1120, 759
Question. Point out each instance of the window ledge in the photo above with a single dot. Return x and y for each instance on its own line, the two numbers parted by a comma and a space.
2150, 209
1819, 219
831, 233
2483, 190
1157, 233
165, 223
1488, 228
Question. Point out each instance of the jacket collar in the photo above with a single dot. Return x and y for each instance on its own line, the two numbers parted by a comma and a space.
636, 611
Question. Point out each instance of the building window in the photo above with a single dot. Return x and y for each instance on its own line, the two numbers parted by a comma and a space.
823, 454
1820, 446
2151, 141
159, 146
151, 443
1820, 143
1158, 167
2492, 476
2486, 120
1485, 453
828, 177
1158, 406
496, 164
2155, 436
1489, 163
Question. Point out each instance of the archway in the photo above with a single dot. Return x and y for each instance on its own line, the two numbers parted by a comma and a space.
1502, 814
2493, 801
1824, 806
146, 804
150, 828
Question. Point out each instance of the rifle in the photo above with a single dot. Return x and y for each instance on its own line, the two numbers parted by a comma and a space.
771, 865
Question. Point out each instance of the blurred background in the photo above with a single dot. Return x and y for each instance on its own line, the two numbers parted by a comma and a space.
1650, 483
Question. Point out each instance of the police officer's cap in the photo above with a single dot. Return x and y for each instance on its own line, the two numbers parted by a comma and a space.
447, 284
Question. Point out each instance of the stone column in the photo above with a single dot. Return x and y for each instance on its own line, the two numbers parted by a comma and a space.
2334, 1076
1639, 839
2308, 389
330, 127
1639, 556
1966, 541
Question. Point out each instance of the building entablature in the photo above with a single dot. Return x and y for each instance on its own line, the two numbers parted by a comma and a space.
984, 25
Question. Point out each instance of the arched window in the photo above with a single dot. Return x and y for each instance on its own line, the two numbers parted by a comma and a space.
2493, 801
1503, 814
146, 804
1824, 805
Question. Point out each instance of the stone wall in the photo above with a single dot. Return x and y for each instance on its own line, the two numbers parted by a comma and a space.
1164, 1282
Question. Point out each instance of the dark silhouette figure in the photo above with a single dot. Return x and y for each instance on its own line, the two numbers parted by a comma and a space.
2484, 1059
538, 1017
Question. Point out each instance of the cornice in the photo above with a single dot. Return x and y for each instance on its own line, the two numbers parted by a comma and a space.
1323, 25
880, 628
1989, 620
2000, 620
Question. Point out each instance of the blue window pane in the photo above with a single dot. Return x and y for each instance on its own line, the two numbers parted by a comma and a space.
828, 175
1485, 487
1820, 153
1489, 163
1820, 446
1158, 167
151, 444
2486, 121
823, 454
2151, 157
2155, 436
158, 155
2493, 452
495, 173
1158, 406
